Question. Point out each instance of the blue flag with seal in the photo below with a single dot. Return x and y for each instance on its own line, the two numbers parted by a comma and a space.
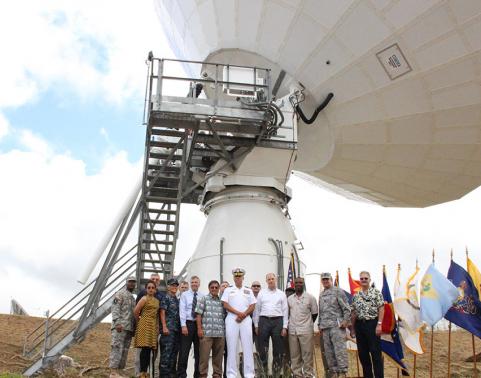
466, 310
437, 296
390, 342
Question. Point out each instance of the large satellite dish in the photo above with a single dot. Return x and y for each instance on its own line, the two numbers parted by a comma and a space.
404, 126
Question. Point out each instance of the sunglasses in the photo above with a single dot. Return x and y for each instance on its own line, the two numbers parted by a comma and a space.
256, 285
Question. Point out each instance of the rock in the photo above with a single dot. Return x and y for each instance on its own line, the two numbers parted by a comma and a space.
63, 364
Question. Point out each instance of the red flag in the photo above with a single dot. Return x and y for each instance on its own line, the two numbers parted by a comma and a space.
389, 321
354, 285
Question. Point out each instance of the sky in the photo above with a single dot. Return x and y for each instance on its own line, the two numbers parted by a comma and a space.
72, 81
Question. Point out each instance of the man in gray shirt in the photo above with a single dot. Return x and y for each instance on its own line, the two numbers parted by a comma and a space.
334, 317
211, 331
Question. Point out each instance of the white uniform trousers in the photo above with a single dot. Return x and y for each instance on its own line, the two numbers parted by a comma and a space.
233, 331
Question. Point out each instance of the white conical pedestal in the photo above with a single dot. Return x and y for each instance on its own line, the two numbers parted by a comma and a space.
243, 225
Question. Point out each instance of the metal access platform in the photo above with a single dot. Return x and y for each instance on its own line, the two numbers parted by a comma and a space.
200, 118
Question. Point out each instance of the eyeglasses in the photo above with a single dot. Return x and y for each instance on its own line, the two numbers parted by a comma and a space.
256, 285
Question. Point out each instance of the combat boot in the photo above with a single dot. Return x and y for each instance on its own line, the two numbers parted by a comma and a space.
341, 375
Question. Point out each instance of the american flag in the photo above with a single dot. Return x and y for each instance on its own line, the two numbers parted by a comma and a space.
290, 276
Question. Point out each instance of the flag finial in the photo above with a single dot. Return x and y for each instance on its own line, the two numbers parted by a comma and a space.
417, 264
467, 253
433, 255
451, 254
398, 266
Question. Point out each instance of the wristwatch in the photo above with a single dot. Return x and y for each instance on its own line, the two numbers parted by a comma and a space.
379, 323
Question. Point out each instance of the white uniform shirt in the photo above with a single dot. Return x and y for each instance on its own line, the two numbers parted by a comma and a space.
239, 299
272, 303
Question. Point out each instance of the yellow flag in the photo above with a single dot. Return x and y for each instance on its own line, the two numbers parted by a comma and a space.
475, 275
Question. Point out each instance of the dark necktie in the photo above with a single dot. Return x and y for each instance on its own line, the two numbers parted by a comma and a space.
194, 305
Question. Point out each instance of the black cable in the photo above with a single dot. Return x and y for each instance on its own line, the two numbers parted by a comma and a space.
308, 121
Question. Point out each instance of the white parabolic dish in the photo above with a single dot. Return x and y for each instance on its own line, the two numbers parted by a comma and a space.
404, 126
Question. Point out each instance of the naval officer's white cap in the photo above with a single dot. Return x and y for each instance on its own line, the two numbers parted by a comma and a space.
237, 272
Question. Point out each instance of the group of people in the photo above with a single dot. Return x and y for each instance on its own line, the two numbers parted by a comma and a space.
166, 325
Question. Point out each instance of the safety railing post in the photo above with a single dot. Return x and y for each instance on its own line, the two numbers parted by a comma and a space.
45, 342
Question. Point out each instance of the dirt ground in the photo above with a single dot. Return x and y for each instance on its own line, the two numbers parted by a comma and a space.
91, 355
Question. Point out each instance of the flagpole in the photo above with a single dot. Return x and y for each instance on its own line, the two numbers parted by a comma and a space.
415, 355
474, 357
449, 337
357, 362
414, 365
432, 346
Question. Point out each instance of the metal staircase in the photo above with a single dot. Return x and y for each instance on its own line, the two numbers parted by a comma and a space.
188, 140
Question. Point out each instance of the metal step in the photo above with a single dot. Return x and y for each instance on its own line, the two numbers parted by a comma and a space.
163, 156
160, 221
152, 241
167, 132
160, 199
158, 232
152, 251
162, 177
165, 169
165, 144
162, 211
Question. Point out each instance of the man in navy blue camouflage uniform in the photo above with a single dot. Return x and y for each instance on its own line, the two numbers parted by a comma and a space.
170, 330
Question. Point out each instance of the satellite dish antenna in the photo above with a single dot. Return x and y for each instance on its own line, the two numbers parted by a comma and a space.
392, 87
403, 128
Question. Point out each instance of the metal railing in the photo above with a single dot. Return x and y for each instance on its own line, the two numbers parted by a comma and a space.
214, 78
64, 320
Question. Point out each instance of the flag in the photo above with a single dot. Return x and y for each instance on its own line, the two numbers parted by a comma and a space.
290, 275
336, 280
354, 285
406, 306
475, 275
336, 283
466, 311
437, 296
390, 342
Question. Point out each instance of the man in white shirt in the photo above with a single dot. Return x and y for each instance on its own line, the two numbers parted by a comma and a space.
188, 302
239, 302
270, 321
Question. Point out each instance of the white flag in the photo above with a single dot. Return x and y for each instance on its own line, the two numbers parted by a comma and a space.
406, 306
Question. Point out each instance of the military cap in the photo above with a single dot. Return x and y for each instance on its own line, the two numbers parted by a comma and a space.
326, 275
238, 272
173, 281
131, 278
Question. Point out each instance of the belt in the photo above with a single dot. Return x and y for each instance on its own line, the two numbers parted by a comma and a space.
366, 320
271, 317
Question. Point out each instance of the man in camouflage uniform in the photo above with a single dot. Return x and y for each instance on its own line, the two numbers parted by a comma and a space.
334, 316
122, 327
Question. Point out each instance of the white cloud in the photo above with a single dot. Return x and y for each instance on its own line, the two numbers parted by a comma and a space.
92, 48
52, 217
4, 126
35, 144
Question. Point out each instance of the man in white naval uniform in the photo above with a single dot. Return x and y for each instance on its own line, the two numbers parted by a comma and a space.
239, 302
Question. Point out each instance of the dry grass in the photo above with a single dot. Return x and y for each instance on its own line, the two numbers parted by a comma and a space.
93, 352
